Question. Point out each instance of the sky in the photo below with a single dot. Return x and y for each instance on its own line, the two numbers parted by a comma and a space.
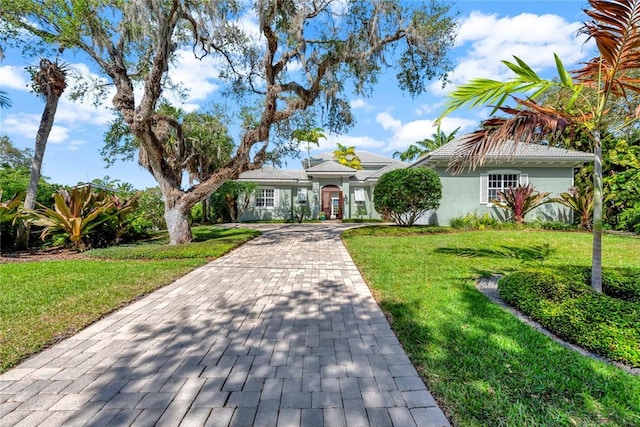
489, 31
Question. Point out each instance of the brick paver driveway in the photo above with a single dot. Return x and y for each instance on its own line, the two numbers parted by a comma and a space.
282, 331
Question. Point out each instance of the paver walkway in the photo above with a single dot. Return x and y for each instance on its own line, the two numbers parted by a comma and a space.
280, 332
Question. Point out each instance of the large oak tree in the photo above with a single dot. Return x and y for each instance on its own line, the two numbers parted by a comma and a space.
308, 54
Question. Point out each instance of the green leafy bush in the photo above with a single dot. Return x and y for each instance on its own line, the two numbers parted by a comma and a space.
629, 220
562, 301
405, 195
622, 283
474, 221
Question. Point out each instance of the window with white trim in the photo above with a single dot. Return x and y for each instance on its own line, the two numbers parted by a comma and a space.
265, 198
495, 181
500, 182
358, 195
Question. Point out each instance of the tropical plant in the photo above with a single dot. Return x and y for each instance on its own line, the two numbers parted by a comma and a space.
77, 213
119, 216
580, 201
420, 148
5, 101
310, 136
347, 156
405, 195
614, 26
520, 200
333, 47
49, 81
149, 216
10, 210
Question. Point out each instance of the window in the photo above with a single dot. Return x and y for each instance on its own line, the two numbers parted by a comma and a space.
302, 196
358, 195
500, 182
265, 198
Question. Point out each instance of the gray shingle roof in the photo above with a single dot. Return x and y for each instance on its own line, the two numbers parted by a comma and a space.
330, 166
509, 151
364, 156
269, 173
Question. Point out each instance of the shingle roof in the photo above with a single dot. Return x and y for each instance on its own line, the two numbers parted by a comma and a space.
364, 156
375, 174
330, 166
269, 173
509, 151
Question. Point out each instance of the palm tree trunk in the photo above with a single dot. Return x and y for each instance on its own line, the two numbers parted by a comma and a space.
596, 259
46, 123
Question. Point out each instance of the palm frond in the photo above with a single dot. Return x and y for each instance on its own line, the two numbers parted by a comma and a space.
614, 28
5, 101
534, 123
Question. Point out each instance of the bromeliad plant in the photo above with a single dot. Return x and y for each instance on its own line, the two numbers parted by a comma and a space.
76, 213
580, 201
520, 200
11, 209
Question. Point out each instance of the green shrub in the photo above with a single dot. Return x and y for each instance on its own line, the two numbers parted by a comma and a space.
405, 195
629, 220
562, 301
622, 283
475, 221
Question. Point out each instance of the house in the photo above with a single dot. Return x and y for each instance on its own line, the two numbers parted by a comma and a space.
548, 169
323, 186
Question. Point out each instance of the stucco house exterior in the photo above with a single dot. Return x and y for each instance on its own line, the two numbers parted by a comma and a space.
548, 169
324, 185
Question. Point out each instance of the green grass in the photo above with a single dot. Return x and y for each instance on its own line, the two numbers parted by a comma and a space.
43, 302
483, 365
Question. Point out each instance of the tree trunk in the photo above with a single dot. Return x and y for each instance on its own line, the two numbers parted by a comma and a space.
46, 123
596, 258
177, 219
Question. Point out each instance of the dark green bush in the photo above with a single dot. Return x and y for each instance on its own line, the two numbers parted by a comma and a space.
622, 284
563, 302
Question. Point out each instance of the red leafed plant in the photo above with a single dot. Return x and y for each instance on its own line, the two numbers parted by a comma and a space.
520, 200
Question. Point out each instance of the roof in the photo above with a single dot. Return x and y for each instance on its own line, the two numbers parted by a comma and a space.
509, 151
269, 173
364, 156
330, 166
365, 175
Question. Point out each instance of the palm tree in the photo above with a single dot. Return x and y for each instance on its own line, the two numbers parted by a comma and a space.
420, 148
614, 27
49, 82
347, 156
310, 136
5, 102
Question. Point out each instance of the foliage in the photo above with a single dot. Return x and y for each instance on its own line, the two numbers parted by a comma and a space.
12, 157
306, 57
237, 197
621, 167
77, 213
5, 101
482, 364
420, 148
520, 200
629, 220
562, 301
580, 201
310, 136
10, 210
149, 216
473, 221
611, 76
347, 156
44, 302
405, 195
300, 212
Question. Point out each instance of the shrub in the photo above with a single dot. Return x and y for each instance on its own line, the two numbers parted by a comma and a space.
474, 221
405, 195
520, 200
629, 220
622, 283
563, 302
580, 201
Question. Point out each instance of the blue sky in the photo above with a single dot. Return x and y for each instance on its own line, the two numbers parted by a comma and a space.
489, 31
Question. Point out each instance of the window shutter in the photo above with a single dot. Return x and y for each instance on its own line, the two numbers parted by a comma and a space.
524, 179
484, 185
276, 197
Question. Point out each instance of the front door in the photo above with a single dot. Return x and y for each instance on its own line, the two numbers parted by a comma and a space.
332, 202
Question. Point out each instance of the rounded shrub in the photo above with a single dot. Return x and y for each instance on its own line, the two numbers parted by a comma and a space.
405, 195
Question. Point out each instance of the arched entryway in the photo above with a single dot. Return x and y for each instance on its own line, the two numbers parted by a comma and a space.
332, 201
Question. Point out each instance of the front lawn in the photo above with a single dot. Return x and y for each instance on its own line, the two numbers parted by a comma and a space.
483, 365
42, 302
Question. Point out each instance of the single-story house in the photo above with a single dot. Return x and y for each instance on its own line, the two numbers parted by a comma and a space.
324, 185
548, 169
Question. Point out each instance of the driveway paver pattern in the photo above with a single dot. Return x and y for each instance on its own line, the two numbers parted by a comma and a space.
282, 331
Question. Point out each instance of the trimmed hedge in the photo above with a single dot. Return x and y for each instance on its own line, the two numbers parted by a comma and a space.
563, 302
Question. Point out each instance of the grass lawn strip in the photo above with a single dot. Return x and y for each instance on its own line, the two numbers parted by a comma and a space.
483, 365
43, 302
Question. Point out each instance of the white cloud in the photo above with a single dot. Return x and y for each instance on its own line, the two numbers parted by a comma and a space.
387, 121
194, 75
485, 40
27, 125
75, 144
13, 77
360, 142
360, 104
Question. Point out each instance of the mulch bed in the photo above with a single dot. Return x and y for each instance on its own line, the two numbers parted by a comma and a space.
55, 254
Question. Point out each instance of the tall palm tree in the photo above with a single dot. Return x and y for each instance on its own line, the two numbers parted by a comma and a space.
310, 136
614, 26
347, 156
49, 82
420, 148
